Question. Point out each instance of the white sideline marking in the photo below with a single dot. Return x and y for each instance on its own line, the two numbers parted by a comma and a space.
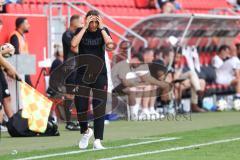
147, 138
171, 149
90, 150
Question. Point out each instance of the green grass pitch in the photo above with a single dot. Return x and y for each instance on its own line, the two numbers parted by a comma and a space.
216, 136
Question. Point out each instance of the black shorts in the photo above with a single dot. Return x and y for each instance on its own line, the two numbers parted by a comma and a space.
4, 86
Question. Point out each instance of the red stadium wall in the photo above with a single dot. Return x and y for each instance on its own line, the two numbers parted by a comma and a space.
37, 39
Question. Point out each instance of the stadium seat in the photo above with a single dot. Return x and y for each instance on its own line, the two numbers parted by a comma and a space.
33, 8
141, 3
18, 8
205, 5
32, 1
94, 2
10, 8
128, 3
26, 9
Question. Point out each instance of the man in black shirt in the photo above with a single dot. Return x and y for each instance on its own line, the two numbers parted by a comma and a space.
91, 40
75, 22
5, 99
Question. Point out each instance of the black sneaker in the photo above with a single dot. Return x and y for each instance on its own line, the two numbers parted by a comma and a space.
72, 126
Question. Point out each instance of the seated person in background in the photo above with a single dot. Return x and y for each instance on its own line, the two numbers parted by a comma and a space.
190, 78
150, 91
168, 6
222, 54
130, 77
228, 70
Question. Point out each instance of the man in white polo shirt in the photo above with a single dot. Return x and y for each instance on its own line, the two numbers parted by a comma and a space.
227, 66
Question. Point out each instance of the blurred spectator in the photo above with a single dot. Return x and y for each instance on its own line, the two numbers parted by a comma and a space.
167, 6
222, 54
235, 4
2, 6
238, 50
134, 79
1, 25
125, 82
152, 4
14, 1
228, 70
150, 90
57, 61
18, 40
189, 80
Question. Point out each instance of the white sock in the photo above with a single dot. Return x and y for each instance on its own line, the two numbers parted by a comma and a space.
138, 101
152, 109
145, 110
134, 109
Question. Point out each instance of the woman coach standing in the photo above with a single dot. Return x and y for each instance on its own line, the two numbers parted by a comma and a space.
91, 40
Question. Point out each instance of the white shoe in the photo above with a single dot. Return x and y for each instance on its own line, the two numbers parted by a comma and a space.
236, 104
134, 117
144, 116
97, 145
3, 129
154, 115
83, 144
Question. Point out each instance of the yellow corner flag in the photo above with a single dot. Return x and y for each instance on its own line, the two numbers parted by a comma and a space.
36, 108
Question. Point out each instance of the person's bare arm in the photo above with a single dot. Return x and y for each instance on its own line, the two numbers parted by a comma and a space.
127, 83
66, 40
74, 49
149, 79
10, 70
76, 39
237, 73
107, 38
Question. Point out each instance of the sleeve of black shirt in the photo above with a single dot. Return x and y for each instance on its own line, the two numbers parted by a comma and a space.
77, 31
15, 43
66, 39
